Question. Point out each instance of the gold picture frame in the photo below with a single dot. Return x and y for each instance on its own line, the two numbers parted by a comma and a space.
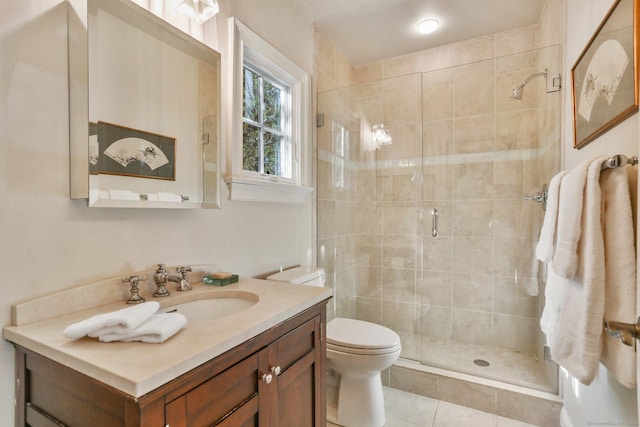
605, 76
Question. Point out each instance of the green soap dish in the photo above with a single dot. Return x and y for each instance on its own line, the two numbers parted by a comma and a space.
220, 282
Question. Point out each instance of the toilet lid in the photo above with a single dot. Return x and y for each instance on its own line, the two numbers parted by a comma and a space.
360, 334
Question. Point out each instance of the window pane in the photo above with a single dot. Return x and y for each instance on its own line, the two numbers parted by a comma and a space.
250, 148
272, 145
251, 95
272, 106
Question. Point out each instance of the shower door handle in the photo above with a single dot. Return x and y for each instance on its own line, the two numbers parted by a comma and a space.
434, 222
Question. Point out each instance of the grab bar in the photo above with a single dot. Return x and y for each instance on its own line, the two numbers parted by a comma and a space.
627, 332
434, 222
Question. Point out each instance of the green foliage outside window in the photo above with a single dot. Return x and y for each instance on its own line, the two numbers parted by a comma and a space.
263, 124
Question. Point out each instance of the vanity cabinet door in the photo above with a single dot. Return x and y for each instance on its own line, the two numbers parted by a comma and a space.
228, 399
297, 395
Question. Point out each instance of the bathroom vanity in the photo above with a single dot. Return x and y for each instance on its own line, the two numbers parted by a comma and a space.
264, 365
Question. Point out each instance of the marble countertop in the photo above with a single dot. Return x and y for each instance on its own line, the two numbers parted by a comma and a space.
138, 368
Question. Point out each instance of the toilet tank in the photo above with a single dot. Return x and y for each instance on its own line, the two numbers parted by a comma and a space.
309, 276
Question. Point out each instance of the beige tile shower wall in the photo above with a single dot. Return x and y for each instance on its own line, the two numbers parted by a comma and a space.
471, 283
450, 105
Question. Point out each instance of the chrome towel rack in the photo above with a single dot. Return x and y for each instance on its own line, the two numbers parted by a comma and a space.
612, 162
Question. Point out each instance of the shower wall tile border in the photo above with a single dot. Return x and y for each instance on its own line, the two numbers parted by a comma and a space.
529, 406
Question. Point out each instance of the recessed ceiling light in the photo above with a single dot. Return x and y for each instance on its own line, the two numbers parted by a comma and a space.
428, 26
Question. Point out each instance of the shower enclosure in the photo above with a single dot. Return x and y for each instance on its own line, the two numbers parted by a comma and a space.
428, 233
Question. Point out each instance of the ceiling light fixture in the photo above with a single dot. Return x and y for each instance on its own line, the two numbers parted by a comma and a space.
198, 10
428, 26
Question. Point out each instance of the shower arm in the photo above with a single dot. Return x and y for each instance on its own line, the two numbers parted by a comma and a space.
533, 76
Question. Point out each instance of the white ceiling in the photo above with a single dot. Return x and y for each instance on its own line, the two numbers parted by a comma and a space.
368, 30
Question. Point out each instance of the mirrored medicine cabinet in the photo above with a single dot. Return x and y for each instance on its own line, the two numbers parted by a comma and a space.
144, 110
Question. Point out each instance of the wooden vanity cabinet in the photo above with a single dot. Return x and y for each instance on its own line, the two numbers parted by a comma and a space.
274, 379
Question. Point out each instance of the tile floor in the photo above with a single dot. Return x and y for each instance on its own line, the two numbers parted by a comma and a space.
410, 410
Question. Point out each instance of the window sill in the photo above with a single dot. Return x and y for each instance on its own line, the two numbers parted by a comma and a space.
256, 190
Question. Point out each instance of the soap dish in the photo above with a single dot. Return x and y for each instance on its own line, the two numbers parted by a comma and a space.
209, 280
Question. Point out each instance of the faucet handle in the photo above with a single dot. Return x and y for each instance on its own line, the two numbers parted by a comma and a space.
134, 281
184, 270
184, 282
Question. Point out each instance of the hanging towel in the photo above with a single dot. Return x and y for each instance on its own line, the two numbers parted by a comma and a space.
553, 297
156, 330
576, 339
546, 243
620, 273
570, 205
125, 319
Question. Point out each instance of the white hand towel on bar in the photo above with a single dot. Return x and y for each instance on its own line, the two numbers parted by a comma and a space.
127, 318
546, 243
570, 205
576, 339
156, 330
620, 272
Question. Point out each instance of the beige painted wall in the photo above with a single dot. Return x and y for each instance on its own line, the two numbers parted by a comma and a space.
50, 242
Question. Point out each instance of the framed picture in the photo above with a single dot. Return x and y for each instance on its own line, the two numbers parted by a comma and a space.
119, 150
605, 77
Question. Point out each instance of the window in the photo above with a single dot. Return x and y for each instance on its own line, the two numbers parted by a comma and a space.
270, 132
266, 131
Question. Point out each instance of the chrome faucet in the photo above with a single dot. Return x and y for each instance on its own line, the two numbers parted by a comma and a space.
161, 278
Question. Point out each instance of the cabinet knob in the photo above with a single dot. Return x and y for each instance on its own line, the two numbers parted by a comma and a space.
275, 370
267, 378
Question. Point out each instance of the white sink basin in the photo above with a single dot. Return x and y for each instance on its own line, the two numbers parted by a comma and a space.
213, 308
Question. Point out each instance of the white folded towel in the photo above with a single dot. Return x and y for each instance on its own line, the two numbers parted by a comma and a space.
155, 330
125, 319
546, 243
572, 187
576, 339
169, 197
123, 195
620, 273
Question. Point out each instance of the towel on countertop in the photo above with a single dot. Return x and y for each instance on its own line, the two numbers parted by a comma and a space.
157, 329
576, 338
546, 242
126, 319
570, 207
620, 272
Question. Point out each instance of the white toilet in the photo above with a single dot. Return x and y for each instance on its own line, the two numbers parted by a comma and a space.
358, 351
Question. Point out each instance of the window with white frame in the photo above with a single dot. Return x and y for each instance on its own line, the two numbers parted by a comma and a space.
266, 124
270, 122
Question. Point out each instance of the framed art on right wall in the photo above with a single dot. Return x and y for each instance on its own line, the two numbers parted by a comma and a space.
605, 76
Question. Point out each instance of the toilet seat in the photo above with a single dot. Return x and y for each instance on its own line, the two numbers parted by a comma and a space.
360, 337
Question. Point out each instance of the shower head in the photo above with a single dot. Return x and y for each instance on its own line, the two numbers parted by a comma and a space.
517, 92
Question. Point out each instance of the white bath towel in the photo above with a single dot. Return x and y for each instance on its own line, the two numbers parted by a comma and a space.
553, 297
127, 318
156, 330
620, 272
570, 206
547, 240
576, 339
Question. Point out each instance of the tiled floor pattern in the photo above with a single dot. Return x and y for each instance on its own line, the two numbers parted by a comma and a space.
410, 410
505, 365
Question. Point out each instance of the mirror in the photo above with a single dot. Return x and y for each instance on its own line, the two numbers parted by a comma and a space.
144, 110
